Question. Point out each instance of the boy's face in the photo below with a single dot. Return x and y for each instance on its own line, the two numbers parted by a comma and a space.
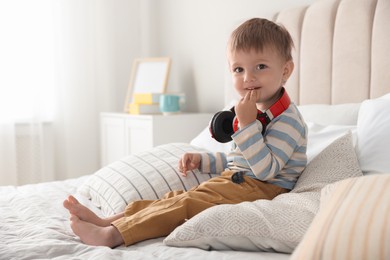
265, 72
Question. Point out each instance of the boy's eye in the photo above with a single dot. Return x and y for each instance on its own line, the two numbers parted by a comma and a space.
238, 69
261, 66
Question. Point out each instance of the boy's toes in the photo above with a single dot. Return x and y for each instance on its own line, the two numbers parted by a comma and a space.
73, 199
66, 204
70, 202
74, 218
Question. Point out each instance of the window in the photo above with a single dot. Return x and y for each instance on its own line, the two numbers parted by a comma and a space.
27, 59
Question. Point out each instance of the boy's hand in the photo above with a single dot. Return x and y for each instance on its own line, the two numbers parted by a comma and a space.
188, 162
246, 110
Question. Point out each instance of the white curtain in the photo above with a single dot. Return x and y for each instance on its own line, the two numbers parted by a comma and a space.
26, 89
48, 97
62, 62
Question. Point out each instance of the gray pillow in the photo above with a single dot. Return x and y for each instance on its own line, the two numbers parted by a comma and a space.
270, 225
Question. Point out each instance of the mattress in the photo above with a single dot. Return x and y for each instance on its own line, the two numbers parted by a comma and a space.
34, 225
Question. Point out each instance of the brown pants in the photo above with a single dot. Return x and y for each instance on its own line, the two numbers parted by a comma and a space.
147, 219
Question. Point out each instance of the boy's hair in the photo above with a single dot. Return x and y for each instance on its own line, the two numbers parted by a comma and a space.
259, 33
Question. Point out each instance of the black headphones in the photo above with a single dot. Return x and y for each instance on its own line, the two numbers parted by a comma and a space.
225, 123
221, 125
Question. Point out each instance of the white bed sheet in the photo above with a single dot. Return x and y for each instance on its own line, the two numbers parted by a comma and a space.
34, 225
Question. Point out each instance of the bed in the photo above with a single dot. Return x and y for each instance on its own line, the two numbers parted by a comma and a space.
340, 207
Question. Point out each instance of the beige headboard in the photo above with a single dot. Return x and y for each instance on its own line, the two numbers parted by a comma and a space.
342, 51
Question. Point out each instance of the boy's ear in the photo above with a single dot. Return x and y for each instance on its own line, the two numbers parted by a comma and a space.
288, 69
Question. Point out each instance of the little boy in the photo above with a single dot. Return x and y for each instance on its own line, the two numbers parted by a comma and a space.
270, 161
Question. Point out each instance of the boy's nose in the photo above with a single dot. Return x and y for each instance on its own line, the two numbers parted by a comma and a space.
249, 77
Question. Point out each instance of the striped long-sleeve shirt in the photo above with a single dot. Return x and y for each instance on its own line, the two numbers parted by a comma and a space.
278, 157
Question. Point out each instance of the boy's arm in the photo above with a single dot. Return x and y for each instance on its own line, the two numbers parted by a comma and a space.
213, 163
267, 158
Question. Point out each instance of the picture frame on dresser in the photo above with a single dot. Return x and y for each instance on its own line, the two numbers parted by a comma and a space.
148, 75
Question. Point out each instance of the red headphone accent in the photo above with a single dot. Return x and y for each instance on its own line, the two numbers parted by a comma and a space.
275, 110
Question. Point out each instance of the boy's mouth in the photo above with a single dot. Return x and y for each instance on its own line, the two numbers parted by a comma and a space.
252, 88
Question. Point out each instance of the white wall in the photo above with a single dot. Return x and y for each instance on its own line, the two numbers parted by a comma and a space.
107, 35
194, 34
98, 39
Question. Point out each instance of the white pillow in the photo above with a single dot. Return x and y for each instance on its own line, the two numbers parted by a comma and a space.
343, 114
204, 140
386, 96
320, 136
353, 221
325, 124
373, 135
276, 225
147, 175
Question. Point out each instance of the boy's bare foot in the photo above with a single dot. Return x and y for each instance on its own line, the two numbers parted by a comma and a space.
95, 235
83, 213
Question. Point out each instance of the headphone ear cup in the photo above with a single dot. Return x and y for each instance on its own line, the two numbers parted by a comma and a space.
221, 126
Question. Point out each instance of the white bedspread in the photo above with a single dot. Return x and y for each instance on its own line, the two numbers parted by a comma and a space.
34, 225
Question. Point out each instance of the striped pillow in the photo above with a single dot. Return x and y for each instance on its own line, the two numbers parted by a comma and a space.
144, 176
353, 221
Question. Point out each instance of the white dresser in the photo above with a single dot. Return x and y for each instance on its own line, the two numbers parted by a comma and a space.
123, 134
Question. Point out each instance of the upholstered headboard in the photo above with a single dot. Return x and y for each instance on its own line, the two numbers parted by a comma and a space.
342, 51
